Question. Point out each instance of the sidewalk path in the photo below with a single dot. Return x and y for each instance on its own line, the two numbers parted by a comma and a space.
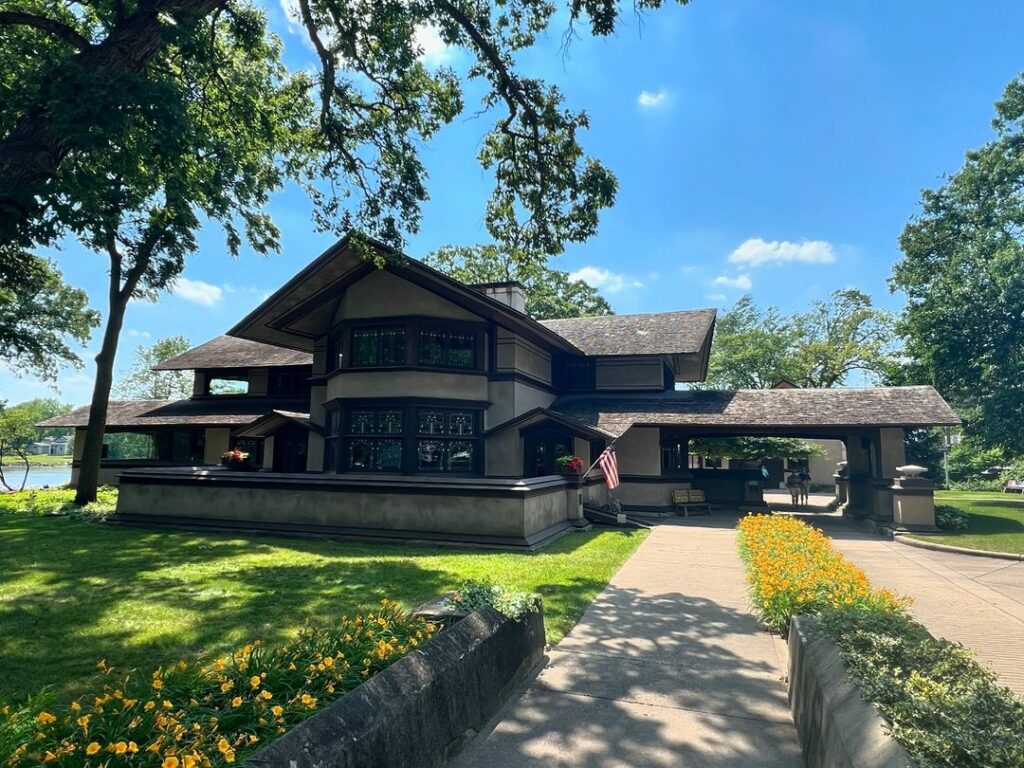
667, 667
976, 601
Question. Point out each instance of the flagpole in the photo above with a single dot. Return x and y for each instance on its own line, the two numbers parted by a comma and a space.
598, 458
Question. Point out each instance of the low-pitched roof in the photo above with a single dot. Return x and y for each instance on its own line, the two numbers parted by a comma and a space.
537, 415
659, 333
794, 409
269, 423
231, 352
210, 412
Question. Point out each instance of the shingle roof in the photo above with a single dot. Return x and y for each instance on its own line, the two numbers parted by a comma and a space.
764, 408
661, 333
214, 411
230, 352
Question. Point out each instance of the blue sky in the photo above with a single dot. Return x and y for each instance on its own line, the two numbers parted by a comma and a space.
770, 148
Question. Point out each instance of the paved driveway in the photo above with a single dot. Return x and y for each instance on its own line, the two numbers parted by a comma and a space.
976, 601
667, 667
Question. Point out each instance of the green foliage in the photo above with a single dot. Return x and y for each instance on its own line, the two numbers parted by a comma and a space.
17, 430
976, 484
754, 448
947, 710
752, 348
179, 593
967, 460
549, 292
214, 711
40, 316
57, 501
950, 518
143, 383
756, 349
473, 595
924, 448
963, 273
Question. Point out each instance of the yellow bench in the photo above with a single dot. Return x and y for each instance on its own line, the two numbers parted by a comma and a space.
686, 500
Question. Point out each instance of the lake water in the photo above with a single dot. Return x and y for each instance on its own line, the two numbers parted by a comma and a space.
38, 476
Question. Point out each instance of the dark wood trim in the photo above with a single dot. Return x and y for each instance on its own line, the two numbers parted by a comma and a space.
398, 368
524, 378
331, 291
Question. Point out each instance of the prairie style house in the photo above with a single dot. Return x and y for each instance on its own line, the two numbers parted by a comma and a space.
396, 402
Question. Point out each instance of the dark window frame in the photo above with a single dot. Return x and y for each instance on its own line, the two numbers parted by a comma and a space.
340, 344
226, 374
338, 458
674, 462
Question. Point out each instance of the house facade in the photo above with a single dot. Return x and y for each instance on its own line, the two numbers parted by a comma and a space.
394, 402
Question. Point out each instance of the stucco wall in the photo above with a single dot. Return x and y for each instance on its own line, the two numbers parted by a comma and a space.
381, 294
315, 453
217, 441
268, 453
511, 510
822, 468
515, 354
458, 386
504, 453
639, 451
630, 373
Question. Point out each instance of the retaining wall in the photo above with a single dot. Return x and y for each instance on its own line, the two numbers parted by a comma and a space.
422, 709
837, 728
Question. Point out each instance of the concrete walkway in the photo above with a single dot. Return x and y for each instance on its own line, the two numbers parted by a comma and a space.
976, 601
667, 667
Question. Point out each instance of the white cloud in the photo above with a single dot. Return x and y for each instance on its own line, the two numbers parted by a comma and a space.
598, 277
742, 282
138, 334
756, 252
435, 50
716, 297
649, 100
197, 291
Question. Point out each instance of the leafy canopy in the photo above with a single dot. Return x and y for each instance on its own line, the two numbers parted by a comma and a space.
755, 448
41, 318
842, 335
963, 273
143, 383
550, 293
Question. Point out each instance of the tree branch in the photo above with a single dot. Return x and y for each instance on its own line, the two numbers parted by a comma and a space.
51, 26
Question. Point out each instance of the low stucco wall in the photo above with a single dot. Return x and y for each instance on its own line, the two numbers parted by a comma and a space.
422, 709
501, 512
837, 728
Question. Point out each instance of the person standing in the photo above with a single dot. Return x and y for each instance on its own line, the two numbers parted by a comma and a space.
805, 487
793, 484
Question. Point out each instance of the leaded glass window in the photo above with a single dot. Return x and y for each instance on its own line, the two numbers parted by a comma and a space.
378, 346
447, 347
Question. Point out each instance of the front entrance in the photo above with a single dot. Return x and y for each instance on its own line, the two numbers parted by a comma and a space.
290, 444
541, 449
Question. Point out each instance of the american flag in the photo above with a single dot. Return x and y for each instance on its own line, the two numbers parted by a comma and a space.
610, 467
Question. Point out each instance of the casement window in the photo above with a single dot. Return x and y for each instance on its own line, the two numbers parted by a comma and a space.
412, 342
332, 440
288, 382
375, 439
444, 347
378, 346
403, 438
446, 440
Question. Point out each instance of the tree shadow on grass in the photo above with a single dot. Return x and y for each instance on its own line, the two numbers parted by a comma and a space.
656, 680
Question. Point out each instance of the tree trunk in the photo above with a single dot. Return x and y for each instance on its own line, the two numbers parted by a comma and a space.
35, 147
92, 452
24, 479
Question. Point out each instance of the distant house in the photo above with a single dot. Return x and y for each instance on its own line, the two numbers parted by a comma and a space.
397, 403
52, 446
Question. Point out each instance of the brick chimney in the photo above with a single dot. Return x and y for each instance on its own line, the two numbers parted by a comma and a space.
510, 293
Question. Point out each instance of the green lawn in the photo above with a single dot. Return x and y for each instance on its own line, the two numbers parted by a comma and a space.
74, 591
997, 520
37, 461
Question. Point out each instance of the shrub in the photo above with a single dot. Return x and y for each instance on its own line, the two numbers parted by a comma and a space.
941, 705
793, 569
951, 518
976, 484
208, 714
57, 501
473, 595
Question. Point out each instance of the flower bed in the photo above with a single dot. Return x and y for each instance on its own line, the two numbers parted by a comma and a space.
793, 569
208, 714
943, 707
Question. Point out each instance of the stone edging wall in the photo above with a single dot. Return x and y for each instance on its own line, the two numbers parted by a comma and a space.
422, 709
837, 728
